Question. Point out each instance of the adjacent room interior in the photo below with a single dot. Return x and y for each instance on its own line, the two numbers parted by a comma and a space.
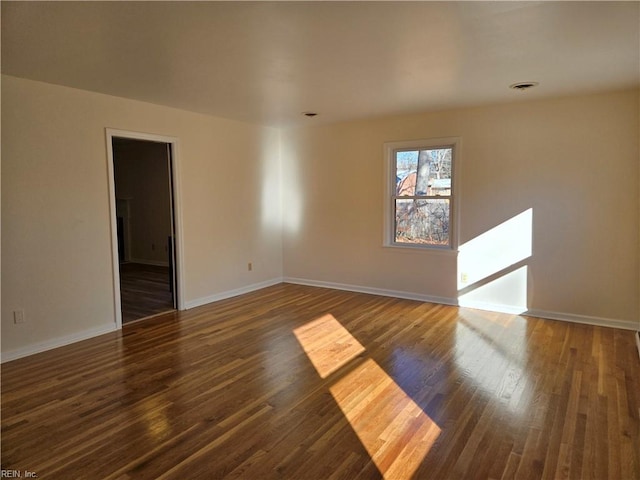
144, 218
321, 240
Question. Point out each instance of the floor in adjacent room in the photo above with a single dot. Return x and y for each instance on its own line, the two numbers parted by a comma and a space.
145, 290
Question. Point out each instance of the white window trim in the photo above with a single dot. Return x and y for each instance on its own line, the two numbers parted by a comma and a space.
388, 209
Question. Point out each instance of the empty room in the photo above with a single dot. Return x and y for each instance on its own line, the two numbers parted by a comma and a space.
320, 240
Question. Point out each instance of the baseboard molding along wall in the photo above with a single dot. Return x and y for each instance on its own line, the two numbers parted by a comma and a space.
566, 317
57, 342
231, 293
372, 290
94, 332
587, 320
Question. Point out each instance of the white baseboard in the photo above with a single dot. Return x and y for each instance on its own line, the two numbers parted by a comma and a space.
570, 317
155, 263
567, 317
372, 290
231, 293
94, 332
56, 342
492, 307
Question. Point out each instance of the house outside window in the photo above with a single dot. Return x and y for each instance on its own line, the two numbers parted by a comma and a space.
420, 200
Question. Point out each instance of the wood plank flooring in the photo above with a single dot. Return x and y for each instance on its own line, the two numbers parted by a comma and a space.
295, 382
144, 291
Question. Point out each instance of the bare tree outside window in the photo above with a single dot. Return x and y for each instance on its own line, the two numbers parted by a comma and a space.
422, 199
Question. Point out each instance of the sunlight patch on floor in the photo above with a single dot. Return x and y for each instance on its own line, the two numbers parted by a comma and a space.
394, 430
328, 344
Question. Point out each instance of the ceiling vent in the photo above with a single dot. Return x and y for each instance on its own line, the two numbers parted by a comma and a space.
522, 86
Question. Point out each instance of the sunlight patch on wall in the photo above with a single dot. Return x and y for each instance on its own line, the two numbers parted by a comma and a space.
496, 249
271, 200
493, 254
507, 293
292, 195
393, 429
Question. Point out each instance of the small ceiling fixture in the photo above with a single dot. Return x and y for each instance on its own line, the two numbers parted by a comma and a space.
522, 86
309, 114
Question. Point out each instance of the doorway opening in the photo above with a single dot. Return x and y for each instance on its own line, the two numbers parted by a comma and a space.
145, 240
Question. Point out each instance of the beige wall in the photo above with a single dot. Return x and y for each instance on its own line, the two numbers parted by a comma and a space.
572, 161
56, 245
248, 194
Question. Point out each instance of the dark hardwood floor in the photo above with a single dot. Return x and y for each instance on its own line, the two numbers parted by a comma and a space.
144, 291
295, 382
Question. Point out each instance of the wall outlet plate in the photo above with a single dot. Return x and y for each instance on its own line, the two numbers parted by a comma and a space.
18, 316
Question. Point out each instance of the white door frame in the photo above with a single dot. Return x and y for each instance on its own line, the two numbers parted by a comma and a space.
177, 214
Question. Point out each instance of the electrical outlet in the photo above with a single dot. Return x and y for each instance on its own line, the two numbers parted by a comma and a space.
464, 277
18, 316
250, 266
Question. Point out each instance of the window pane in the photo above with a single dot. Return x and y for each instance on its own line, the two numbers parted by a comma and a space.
439, 163
423, 172
424, 222
406, 167
439, 171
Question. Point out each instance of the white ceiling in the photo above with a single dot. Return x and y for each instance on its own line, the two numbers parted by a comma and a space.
266, 62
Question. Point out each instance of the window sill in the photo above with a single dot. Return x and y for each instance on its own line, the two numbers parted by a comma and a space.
421, 250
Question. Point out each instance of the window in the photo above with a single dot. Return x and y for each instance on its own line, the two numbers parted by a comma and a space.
420, 198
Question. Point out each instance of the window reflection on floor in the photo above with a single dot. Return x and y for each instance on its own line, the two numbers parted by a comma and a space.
493, 356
